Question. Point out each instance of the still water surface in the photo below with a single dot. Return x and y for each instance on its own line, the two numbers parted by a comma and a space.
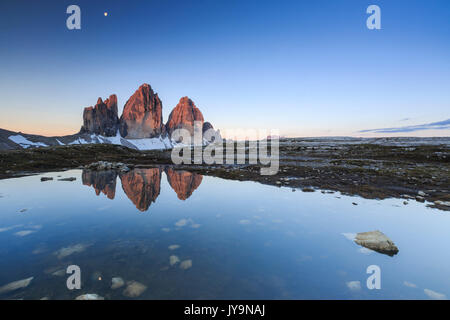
186, 236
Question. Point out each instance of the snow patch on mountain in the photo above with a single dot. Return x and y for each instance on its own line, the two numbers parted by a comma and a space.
24, 142
139, 144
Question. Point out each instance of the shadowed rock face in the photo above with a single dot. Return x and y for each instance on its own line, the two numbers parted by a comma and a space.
142, 115
142, 186
101, 181
212, 135
183, 182
183, 116
101, 119
207, 126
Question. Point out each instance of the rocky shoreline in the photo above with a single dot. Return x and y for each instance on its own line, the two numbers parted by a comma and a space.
419, 173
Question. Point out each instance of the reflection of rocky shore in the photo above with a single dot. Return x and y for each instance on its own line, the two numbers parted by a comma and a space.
183, 182
142, 186
101, 181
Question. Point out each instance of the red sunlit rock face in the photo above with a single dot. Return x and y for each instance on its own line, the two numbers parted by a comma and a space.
101, 119
183, 116
142, 115
101, 181
183, 182
142, 186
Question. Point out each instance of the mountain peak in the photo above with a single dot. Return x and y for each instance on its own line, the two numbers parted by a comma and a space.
142, 115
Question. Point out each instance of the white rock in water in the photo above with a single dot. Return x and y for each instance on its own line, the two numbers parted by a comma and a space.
174, 247
117, 282
377, 241
59, 273
16, 285
89, 296
353, 285
67, 251
421, 193
24, 233
181, 223
173, 260
134, 289
186, 264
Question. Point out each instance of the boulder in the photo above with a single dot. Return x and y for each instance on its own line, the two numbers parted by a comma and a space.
377, 241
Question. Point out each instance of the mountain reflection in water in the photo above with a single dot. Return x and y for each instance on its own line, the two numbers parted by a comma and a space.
142, 186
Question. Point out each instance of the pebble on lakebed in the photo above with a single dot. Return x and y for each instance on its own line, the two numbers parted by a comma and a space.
89, 296
173, 260
134, 289
16, 285
117, 282
376, 241
186, 264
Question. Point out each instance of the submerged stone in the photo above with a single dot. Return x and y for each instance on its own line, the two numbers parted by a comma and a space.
67, 251
134, 289
16, 285
173, 260
377, 241
117, 282
89, 296
186, 264
59, 273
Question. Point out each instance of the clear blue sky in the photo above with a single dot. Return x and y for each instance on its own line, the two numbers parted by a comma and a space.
307, 68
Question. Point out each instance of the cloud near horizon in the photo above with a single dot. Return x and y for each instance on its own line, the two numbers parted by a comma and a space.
440, 125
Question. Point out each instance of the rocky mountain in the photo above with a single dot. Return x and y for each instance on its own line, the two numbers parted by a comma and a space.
139, 127
207, 126
183, 116
102, 119
142, 115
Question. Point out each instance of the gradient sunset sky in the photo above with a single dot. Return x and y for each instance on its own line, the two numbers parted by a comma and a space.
307, 68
